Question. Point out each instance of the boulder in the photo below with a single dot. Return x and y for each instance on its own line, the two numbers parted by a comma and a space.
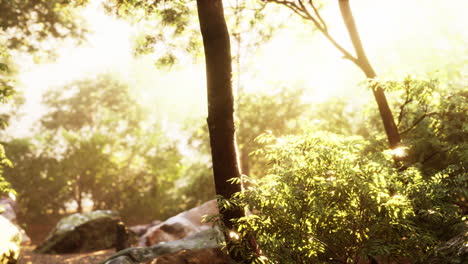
140, 230
208, 239
10, 240
8, 210
200, 256
180, 226
85, 232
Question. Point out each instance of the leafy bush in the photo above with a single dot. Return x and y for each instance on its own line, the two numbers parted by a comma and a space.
5, 186
325, 200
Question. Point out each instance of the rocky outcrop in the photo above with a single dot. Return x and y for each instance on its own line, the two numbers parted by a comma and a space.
180, 226
86, 232
202, 245
10, 240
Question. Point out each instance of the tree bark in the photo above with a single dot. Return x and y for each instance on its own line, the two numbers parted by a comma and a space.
220, 105
363, 63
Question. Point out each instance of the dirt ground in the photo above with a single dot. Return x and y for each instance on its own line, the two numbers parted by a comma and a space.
29, 257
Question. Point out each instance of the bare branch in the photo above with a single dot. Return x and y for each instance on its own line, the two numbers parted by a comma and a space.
416, 123
294, 7
403, 106
302, 11
317, 13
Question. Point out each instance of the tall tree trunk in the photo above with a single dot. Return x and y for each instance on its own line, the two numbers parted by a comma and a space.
220, 105
363, 63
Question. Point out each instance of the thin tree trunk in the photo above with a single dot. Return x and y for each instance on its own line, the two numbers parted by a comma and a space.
245, 161
220, 105
79, 195
363, 63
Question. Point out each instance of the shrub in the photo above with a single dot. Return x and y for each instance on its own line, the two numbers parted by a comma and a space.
325, 200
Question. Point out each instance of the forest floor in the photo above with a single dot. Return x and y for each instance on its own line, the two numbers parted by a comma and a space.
27, 256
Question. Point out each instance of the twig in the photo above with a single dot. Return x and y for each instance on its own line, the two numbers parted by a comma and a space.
402, 107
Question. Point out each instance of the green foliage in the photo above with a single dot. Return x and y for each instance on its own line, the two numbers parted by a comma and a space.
329, 198
433, 123
6, 91
323, 201
96, 104
5, 186
6, 82
25, 23
198, 185
278, 112
336, 115
96, 142
33, 175
168, 29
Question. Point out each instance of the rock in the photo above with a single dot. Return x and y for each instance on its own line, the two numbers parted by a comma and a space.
200, 256
79, 233
454, 250
180, 226
207, 239
10, 240
121, 260
8, 210
140, 230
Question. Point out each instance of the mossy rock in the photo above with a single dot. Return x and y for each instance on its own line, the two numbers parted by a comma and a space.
79, 233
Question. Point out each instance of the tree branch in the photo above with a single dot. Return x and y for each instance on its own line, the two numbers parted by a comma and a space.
362, 61
403, 106
419, 120
317, 14
319, 23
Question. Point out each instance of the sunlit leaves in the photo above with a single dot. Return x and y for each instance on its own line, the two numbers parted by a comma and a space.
323, 200
6, 91
5, 186
25, 24
166, 29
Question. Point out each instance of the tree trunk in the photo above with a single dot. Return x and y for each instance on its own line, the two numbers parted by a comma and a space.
79, 194
220, 105
245, 161
363, 63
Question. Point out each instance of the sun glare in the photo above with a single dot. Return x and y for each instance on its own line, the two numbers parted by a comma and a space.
397, 38
233, 235
400, 152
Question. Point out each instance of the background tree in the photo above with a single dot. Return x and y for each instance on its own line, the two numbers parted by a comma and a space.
281, 112
277, 112
310, 11
94, 146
